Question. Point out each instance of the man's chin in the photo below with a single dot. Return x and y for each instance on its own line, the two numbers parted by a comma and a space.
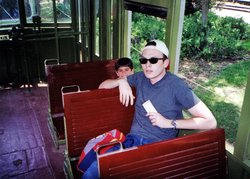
148, 75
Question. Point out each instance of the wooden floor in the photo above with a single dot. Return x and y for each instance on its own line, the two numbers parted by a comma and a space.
26, 146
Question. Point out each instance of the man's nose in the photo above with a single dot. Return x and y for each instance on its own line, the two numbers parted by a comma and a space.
148, 64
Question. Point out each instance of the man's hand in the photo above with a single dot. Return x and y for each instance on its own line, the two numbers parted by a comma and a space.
158, 120
126, 93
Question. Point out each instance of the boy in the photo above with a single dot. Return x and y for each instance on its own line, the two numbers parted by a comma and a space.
123, 67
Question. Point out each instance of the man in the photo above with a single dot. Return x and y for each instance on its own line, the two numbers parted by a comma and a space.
168, 94
123, 68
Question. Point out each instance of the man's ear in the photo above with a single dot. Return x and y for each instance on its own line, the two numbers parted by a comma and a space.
166, 63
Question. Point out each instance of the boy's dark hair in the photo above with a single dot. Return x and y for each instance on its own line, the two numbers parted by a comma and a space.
124, 62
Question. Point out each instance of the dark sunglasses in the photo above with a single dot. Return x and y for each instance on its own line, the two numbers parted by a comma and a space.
152, 60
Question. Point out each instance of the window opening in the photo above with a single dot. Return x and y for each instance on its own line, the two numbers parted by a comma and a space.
9, 12
97, 27
44, 9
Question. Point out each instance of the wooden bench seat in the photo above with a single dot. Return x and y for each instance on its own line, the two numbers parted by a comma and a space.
89, 114
87, 75
199, 155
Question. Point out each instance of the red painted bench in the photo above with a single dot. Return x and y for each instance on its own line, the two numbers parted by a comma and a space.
86, 75
89, 114
199, 155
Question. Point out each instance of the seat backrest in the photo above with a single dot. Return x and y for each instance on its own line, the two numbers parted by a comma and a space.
199, 155
89, 114
87, 75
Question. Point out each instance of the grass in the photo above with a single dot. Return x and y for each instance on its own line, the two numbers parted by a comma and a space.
224, 95
246, 44
234, 75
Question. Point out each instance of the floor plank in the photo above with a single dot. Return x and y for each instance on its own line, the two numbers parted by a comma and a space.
26, 146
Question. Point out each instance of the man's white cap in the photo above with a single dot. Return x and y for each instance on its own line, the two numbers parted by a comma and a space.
157, 45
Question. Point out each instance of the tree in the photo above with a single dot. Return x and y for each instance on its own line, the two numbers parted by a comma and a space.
199, 5
204, 11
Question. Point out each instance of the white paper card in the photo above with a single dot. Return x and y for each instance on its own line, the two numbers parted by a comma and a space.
148, 106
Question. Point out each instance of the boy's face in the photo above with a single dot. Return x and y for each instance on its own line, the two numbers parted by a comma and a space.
124, 71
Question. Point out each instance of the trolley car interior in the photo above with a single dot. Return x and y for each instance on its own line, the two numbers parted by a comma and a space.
50, 70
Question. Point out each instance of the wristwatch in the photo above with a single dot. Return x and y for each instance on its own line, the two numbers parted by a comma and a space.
173, 123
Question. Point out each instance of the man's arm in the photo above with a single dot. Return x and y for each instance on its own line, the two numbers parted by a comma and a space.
202, 118
108, 84
126, 94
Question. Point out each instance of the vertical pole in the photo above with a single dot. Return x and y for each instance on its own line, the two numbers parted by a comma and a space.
56, 31
242, 145
174, 28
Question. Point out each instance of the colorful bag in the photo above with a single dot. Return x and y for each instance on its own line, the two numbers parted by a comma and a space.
88, 154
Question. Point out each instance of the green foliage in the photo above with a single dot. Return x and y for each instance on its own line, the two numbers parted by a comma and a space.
222, 38
146, 28
219, 40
